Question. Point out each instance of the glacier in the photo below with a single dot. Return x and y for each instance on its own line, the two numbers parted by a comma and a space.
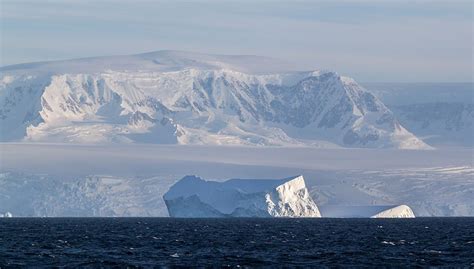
400, 211
173, 97
197, 198
60, 180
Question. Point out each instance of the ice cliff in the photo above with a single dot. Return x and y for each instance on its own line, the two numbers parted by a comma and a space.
195, 197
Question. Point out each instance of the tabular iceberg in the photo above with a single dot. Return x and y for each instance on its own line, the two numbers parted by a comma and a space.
195, 197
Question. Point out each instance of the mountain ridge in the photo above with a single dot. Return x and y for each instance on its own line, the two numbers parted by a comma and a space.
188, 98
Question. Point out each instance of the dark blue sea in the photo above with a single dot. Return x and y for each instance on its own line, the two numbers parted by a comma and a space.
167, 242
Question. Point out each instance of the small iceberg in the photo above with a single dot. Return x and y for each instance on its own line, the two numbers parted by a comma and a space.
375, 211
6, 215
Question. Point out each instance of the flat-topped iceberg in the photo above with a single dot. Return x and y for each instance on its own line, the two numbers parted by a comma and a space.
195, 197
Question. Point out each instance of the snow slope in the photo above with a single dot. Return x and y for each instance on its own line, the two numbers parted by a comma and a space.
195, 197
171, 97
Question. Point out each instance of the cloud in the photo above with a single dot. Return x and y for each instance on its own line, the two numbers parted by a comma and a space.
432, 39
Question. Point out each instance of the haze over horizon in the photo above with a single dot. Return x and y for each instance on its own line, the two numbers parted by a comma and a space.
385, 41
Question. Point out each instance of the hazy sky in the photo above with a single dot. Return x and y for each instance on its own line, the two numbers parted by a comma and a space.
368, 40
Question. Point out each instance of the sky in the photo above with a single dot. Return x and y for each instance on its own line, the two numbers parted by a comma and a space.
372, 41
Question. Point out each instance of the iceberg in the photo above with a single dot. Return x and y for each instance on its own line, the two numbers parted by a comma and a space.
195, 197
401, 211
371, 211
6, 215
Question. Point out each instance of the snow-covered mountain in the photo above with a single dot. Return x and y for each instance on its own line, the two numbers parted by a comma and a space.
194, 197
439, 124
442, 114
171, 97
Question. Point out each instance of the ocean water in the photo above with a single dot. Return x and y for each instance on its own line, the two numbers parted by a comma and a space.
150, 242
